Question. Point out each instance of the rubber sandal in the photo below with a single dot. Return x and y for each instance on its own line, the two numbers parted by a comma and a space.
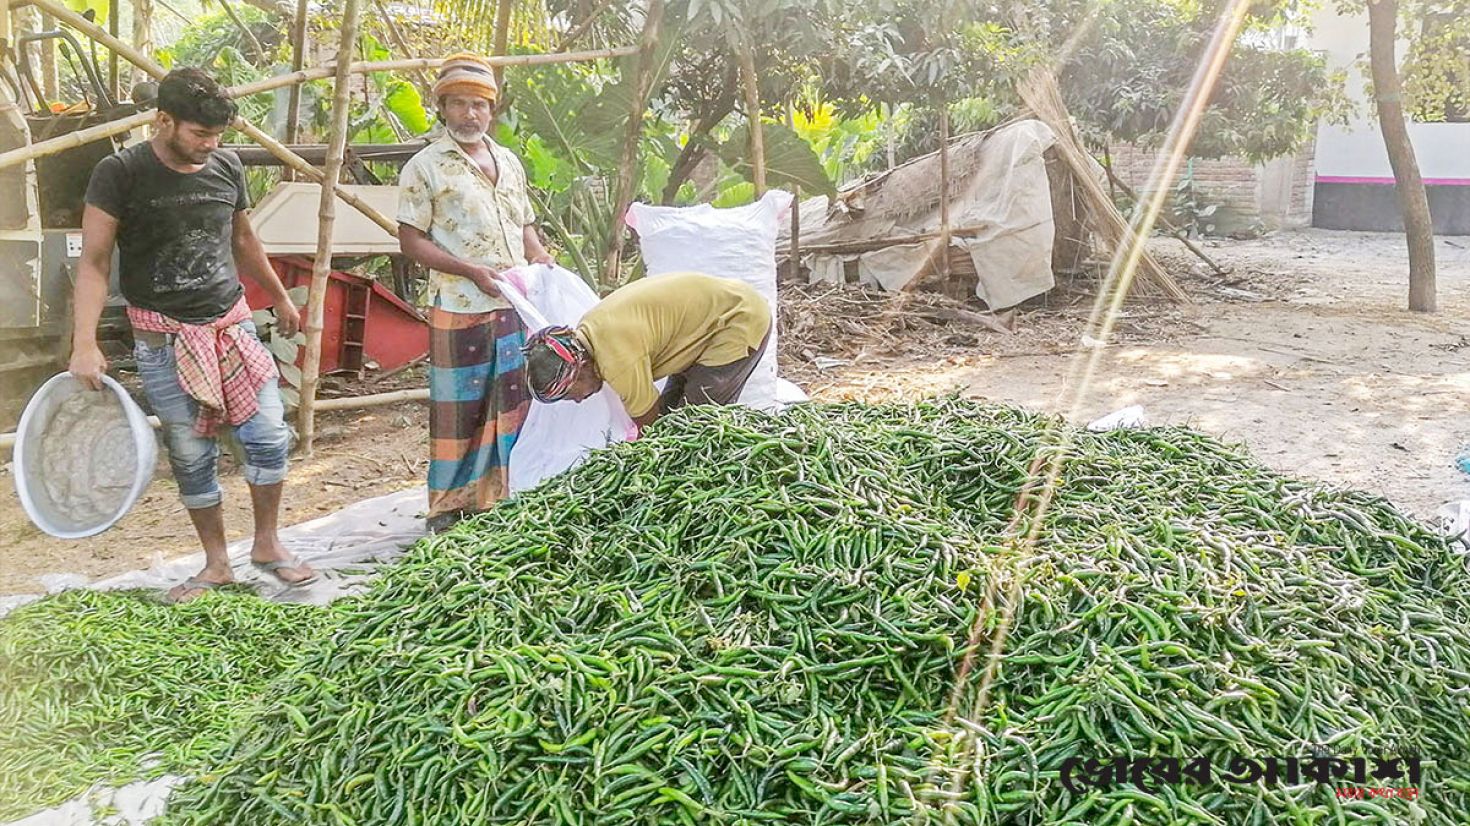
274, 566
193, 583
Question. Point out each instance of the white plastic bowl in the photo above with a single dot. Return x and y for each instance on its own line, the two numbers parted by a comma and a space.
105, 444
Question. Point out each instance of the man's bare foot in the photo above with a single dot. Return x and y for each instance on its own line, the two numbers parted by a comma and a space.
268, 554
195, 586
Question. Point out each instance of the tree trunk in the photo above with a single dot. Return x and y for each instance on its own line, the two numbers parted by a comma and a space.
502, 37
114, 28
627, 168
753, 117
293, 98
1413, 199
321, 266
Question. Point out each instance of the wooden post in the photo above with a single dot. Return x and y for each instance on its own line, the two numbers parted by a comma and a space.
293, 98
944, 189
623, 195
795, 208
114, 28
142, 36
50, 76
753, 116
321, 266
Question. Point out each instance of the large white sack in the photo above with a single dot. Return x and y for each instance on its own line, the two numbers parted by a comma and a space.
737, 243
557, 436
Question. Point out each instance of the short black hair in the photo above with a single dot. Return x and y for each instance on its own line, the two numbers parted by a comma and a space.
190, 94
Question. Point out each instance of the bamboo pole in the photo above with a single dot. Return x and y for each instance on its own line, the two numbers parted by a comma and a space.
321, 265
117, 127
296, 162
944, 189
7, 440
753, 116
623, 195
97, 33
319, 73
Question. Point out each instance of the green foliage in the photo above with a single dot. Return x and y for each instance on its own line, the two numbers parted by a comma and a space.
790, 161
1436, 72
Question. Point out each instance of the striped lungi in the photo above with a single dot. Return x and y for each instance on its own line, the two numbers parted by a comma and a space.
478, 402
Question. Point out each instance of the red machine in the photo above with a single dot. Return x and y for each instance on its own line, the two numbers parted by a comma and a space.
362, 320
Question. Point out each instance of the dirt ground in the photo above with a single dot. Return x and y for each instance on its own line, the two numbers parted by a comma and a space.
1303, 352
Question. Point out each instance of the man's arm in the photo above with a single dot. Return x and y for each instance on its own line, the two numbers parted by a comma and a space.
535, 251
251, 260
647, 418
99, 233
416, 244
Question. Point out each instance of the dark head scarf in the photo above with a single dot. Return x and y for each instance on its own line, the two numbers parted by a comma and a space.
559, 347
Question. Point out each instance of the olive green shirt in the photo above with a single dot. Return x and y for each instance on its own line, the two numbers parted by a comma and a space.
659, 326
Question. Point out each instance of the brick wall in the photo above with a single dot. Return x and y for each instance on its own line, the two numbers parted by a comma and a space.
1275, 194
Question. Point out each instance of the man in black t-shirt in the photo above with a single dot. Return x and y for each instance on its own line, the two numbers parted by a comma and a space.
175, 208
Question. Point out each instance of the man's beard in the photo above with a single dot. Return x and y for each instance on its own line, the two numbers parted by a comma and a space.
467, 136
180, 151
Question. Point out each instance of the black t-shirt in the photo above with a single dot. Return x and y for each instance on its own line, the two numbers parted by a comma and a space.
174, 230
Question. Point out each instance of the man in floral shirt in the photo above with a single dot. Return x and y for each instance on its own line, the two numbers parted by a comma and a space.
465, 213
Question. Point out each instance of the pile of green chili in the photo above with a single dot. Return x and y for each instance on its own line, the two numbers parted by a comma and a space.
839, 615
112, 687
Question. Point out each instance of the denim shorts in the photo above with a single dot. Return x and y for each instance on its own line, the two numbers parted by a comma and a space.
265, 437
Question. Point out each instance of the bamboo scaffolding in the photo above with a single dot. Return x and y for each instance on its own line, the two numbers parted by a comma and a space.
299, 164
321, 265
72, 140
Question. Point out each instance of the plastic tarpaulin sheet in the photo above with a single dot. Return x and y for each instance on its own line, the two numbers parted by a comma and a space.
1000, 191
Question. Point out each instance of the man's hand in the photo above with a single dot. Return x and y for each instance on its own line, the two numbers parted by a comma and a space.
288, 318
487, 280
544, 258
88, 365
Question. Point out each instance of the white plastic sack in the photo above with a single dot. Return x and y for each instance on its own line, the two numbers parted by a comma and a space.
737, 243
1127, 418
557, 436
